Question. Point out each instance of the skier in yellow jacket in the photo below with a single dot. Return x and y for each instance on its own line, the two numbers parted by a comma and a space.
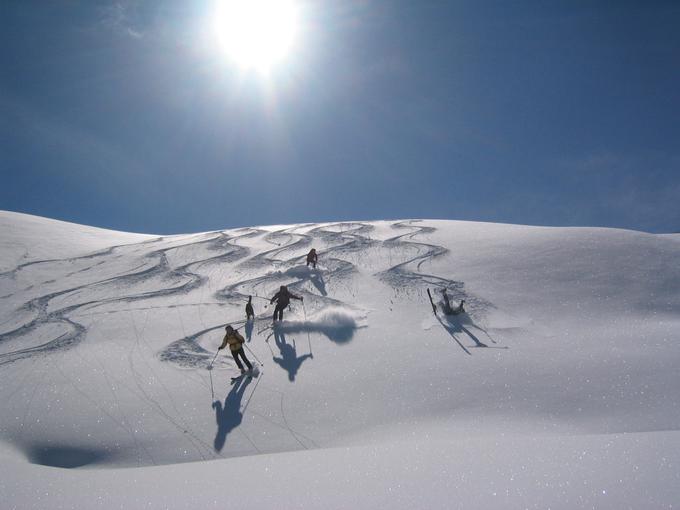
236, 341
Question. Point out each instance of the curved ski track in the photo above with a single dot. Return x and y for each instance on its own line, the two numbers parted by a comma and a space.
165, 267
346, 243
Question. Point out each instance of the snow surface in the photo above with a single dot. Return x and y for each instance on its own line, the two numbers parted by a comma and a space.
558, 389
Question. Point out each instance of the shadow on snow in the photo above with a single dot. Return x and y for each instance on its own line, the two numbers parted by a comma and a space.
455, 325
289, 359
230, 415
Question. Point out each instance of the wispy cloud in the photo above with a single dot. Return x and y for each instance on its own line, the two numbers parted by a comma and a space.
641, 190
124, 17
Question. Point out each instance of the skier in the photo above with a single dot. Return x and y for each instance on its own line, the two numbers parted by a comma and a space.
249, 309
448, 309
459, 309
447, 303
235, 341
282, 298
312, 258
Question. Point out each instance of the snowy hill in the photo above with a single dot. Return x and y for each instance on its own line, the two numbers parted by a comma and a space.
559, 388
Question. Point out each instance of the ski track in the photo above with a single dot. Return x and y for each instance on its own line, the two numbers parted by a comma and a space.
345, 242
152, 264
407, 279
161, 269
348, 239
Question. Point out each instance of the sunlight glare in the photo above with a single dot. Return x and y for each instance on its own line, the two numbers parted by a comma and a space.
256, 33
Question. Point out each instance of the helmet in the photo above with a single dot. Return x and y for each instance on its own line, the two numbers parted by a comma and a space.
229, 328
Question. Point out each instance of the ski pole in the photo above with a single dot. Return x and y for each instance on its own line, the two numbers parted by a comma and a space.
243, 411
212, 389
304, 310
213, 360
253, 354
270, 348
434, 307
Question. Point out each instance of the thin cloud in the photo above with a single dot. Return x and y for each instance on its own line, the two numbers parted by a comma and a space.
123, 17
640, 189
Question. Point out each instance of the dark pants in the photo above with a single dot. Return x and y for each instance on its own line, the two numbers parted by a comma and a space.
278, 311
242, 354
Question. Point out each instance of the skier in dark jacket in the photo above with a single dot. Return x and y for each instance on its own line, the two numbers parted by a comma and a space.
282, 298
312, 258
250, 313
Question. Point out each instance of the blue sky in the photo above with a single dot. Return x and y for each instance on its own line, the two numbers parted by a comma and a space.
127, 115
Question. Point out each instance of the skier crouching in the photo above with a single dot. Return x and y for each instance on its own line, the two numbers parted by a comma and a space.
312, 258
282, 298
450, 310
235, 341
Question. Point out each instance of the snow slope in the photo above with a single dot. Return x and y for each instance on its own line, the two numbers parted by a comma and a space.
26, 239
558, 389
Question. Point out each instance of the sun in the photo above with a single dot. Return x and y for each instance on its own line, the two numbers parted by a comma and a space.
256, 34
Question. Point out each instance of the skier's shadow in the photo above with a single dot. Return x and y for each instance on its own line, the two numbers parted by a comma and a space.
289, 359
317, 280
249, 329
455, 326
229, 416
311, 274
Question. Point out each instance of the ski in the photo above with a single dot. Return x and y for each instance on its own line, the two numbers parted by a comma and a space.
434, 307
254, 372
241, 376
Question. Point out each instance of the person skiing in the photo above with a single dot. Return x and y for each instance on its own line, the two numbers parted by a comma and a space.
447, 303
312, 258
448, 309
235, 341
250, 313
282, 298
